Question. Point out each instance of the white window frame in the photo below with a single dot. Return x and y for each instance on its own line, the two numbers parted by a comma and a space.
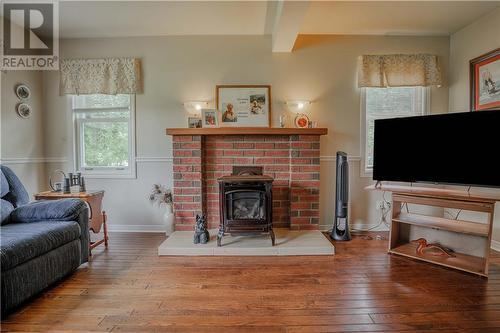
365, 170
104, 172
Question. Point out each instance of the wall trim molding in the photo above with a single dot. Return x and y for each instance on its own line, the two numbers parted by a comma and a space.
166, 159
158, 159
28, 160
138, 159
333, 158
145, 228
495, 245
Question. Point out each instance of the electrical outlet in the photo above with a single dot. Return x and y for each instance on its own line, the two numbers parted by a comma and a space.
381, 205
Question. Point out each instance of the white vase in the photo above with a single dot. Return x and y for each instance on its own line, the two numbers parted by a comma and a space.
168, 220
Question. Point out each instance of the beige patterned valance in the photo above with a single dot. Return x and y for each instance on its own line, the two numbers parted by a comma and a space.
398, 70
100, 76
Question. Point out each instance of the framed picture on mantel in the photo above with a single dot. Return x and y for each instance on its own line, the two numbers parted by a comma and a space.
244, 105
485, 81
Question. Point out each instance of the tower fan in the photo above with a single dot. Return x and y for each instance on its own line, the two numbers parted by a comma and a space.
340, 230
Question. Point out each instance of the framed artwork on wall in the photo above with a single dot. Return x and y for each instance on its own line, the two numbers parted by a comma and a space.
485, 81
244, 105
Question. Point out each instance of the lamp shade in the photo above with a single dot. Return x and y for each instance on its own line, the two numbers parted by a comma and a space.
195, 106
298, 106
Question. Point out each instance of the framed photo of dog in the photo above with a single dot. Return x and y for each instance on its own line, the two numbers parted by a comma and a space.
244, 105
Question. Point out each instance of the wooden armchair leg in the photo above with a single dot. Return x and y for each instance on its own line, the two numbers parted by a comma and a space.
105, 227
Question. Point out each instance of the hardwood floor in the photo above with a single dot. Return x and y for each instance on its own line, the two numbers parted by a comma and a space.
128, 288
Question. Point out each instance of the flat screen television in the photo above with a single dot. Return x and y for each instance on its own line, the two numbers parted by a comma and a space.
455, 148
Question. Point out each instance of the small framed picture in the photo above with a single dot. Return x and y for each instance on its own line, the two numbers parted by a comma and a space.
485, 82
209, 118
194, 122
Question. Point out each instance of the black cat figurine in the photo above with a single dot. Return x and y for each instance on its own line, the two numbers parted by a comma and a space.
201, 234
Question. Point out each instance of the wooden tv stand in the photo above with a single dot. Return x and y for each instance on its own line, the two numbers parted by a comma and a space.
403, 222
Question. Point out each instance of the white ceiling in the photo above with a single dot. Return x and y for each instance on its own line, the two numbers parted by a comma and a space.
83, 19
393, 17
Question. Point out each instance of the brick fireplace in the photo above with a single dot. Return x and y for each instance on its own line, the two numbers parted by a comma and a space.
290, 156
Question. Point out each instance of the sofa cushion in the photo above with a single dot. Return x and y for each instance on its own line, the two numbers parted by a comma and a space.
5, 209
21, 242
4, 185
16, 194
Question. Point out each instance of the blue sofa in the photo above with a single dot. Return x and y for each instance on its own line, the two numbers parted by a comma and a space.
40, 242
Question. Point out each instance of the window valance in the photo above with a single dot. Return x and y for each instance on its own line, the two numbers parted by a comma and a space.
100, 76
398, 70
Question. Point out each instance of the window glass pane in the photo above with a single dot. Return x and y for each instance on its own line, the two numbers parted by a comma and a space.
115, 114
101, 101
370, 129
105, 144
388, 103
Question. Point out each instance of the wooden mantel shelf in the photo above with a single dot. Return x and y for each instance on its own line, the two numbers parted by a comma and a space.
247, 131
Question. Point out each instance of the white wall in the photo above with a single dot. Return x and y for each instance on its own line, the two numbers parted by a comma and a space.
470, 42
176, 69
22, 147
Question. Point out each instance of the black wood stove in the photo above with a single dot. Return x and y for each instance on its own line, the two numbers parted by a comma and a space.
246, 203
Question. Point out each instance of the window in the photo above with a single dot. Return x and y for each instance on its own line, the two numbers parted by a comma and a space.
380, 103
105, 135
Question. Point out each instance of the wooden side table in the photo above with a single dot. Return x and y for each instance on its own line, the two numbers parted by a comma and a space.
97, 217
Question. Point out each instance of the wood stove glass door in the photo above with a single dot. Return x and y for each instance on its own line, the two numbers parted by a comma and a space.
244, 205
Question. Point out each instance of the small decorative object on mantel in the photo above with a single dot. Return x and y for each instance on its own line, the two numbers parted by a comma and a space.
194, 122
485, 82
423, 246
23, 92
161, 195
201, 234
24, 110
209, 118
283, 120
301, 121
244, 105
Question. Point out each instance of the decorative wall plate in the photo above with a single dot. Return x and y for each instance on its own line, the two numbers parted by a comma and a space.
23, 110
301, 121
23, 92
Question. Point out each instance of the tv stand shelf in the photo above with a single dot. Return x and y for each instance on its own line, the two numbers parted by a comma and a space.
403, 222
460, 261
439, 223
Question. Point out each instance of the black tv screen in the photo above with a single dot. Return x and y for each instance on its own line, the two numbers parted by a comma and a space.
454, 148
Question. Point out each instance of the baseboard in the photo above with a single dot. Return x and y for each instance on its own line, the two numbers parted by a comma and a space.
495, 245
136, 228
363, 226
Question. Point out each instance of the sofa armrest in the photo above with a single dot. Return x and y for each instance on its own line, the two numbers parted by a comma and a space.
60, 210
57, 210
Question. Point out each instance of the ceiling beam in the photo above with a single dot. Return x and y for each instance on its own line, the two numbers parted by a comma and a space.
287, 22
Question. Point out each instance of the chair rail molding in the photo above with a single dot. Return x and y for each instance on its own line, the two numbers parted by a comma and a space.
333, 158
154, 159
27, 160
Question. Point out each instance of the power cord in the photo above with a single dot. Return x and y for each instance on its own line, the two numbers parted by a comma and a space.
383, 217
460, 211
